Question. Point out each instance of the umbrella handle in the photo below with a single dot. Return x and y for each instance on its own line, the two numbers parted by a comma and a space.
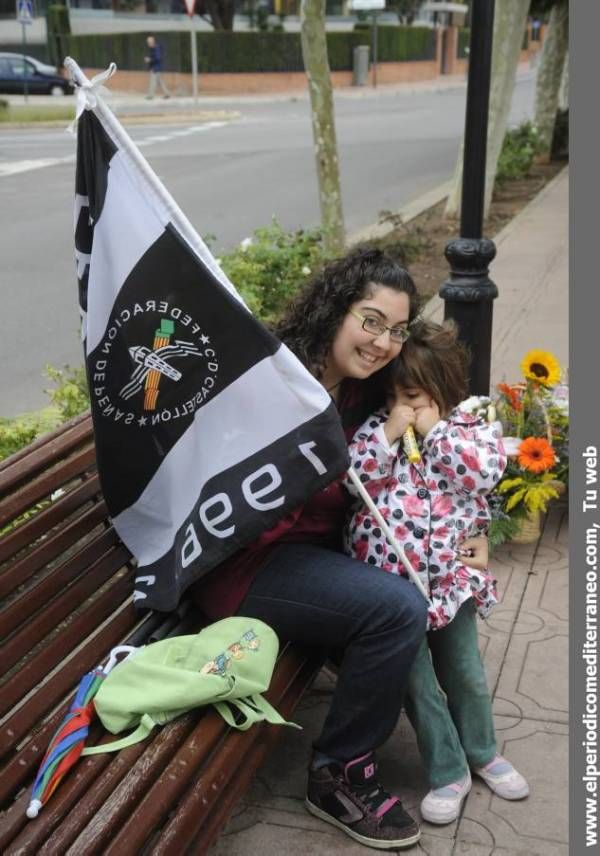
114, 656
33, 809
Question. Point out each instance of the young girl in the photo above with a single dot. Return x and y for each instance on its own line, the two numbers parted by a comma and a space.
432, 506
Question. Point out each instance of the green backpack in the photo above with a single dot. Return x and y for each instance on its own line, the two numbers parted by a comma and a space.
228, 665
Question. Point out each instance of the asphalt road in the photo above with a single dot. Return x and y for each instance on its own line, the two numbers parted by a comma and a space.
228, 178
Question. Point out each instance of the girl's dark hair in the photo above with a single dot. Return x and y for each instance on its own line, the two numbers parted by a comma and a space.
434, 360
309, 326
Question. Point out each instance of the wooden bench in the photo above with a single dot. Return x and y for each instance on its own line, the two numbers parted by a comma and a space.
65, 589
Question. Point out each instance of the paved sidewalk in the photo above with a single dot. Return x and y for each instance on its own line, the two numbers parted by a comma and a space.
524, 643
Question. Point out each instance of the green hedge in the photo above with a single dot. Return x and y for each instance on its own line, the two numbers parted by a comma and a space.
251, 51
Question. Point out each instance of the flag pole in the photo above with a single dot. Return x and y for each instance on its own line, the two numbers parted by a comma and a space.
96, 104
412, 574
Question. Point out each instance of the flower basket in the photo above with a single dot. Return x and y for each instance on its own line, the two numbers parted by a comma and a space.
535, 422
530, 529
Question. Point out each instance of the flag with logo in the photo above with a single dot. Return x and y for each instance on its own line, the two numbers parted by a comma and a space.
208, 429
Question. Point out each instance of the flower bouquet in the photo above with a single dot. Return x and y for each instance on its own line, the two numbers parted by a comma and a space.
535, 420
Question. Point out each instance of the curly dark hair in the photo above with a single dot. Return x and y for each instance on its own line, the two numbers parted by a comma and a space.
433, 359
309, 326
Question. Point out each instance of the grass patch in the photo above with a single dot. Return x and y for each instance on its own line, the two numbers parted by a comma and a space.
31, 113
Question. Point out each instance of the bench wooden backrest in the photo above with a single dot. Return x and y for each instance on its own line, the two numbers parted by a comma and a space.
65, 590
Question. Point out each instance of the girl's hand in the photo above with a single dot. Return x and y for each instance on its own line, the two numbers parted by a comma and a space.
426, 418
474, 553
401, 416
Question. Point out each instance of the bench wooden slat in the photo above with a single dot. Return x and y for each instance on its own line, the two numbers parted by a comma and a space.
168, 787
67, 581
49, 481
22, 609
25, 463
23, 765
203, 796
52, 547
31, 530
57, 610
215, 821
95, 785
171, 786
14, 819
19, 724
139, 776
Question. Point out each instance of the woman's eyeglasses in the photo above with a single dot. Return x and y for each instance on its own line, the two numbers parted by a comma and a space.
375, 327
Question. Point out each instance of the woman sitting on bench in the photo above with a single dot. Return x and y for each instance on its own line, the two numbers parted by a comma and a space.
346, 326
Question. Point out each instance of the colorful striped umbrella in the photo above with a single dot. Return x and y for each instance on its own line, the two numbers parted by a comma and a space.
67, 744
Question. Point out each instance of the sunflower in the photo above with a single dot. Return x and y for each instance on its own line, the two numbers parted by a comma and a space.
536, 455
542, 367
512, 396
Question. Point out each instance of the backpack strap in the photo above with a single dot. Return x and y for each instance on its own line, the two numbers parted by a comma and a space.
254, 708
141, 732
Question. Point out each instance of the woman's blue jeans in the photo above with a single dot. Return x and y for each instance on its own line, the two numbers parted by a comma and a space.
322, 598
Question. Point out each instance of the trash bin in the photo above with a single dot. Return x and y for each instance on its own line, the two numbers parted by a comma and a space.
360, 65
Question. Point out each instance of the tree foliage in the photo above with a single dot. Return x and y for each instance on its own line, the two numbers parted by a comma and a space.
405, 9
219, 13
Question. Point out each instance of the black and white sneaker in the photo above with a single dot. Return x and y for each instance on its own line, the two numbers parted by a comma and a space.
350, 797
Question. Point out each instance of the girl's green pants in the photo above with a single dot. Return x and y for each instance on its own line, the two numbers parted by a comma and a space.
448, 701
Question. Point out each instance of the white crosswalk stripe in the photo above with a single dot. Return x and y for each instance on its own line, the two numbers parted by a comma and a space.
14, 167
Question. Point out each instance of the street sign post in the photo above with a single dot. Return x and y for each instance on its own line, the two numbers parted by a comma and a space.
25, 18
190, 6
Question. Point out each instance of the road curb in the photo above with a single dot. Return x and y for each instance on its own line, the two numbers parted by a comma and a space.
405, 214
202, 116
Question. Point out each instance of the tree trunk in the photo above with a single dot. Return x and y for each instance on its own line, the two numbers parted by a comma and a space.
550, 72
221, 13
509, 25
316, 63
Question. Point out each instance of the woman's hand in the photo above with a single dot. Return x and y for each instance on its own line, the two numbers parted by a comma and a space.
401, 416
426, 418
474, 552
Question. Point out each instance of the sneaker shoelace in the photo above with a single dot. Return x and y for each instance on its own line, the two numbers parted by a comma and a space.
377, 800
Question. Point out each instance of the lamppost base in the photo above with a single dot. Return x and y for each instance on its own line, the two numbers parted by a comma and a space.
468, 294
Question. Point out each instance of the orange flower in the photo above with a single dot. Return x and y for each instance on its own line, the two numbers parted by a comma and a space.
511, 395
536, 455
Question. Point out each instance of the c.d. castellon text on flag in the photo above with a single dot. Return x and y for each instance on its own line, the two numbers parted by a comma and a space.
207, 428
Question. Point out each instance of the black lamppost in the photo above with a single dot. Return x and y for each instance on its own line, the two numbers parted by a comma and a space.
469, 292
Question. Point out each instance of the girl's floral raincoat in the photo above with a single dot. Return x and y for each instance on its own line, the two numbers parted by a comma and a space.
431, 506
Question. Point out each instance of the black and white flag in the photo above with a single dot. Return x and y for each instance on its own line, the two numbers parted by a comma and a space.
208, 430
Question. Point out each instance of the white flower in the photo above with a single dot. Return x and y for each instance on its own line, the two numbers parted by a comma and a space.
57, 494
247, 242
306, 270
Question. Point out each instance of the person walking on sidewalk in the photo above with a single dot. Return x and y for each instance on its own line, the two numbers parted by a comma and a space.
296, 578
434, 505
153, 60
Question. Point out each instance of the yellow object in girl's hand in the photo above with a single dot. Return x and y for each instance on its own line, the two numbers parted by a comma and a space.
409, 441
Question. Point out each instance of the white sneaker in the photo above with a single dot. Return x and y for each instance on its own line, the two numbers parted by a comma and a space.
503, 779
442, 805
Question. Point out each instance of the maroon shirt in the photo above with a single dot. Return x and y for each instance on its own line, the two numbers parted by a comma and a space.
319, 521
